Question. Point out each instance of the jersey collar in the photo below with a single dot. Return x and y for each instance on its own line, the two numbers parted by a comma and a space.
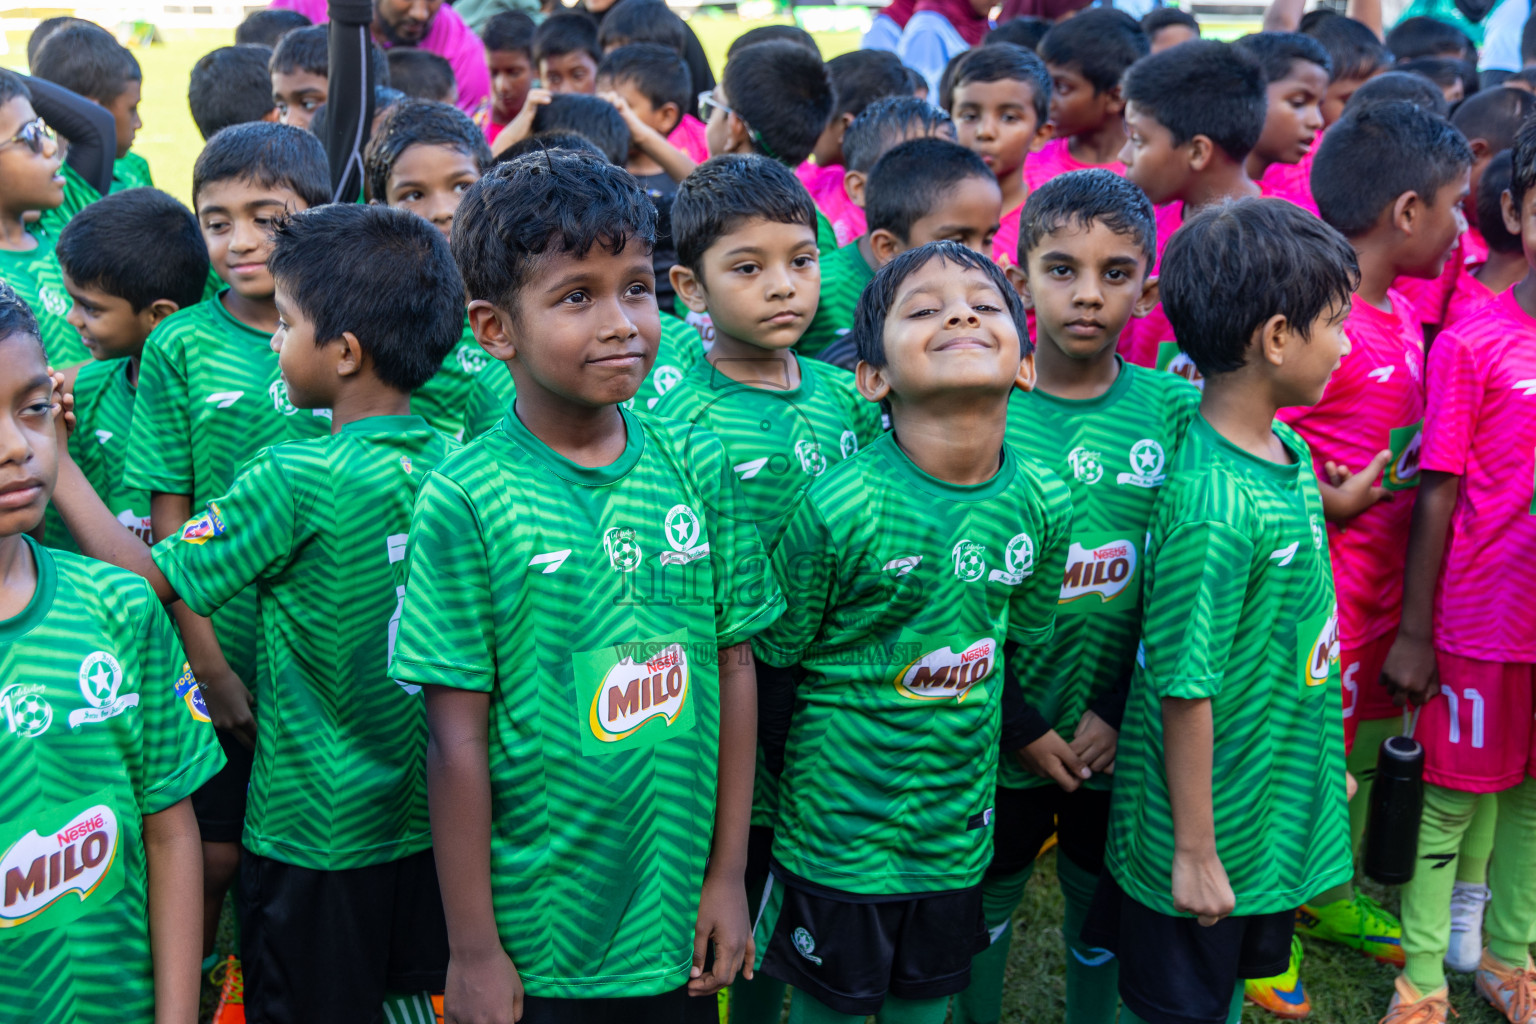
564, 468
42, 598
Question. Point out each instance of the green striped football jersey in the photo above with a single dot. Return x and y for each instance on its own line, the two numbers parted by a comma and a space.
902, 590
826, 237
99, 446
1238, 608
1113, 453
844, 274
210, 397
319, 528
594, 627
131, 171
78, 194
101, 723
448, 399
39, 282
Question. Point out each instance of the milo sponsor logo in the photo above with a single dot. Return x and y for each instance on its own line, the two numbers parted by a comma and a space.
1103, 570
1174, 361
946, 674
632, 693
1323, 651
42, 868
1403, 471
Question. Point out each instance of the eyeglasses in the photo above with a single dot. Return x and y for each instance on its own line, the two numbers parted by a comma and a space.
32, 135
707, 107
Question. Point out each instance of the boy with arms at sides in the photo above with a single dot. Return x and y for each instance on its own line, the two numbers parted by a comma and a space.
1086, 56
107, 736
299, 67
1192, 115
585, 790
1001, 96
339, 894
1108, 429
1464, 647
566, 53
508, 39
1213, 845
1505, 262
907, 568
923, 190
1296, 72
87, 60
211, 396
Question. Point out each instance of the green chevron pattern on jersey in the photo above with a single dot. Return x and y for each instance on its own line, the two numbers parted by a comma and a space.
844, 274
1113, 453
39, 282
99, 446
210, 397
319, 529
902, 590
131, 171
1238, 608
101, 723
447, 400
590, 603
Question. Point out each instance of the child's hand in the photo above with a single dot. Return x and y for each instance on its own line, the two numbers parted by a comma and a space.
229, 703
723, 918
63, 411
483, 990
521, 126
1200, 887
625, 111
1351, 787
1410, 673
1051, 757
1346, 494
1095, 743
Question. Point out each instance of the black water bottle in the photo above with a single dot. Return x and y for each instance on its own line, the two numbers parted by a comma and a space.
1397, 805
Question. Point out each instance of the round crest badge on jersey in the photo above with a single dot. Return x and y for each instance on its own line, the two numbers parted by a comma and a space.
100, 678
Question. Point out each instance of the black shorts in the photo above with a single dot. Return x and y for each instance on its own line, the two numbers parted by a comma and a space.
219, 803
1026, 818
675, 1007
850, 955
759, 853
1173, 970
327, 945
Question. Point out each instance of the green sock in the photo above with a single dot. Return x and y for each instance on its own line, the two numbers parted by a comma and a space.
1426, 909
912, 1011
1092, 974
409, 1008
1511, 915
1477, 844
759, 1001
1362, 765
807, 1009
982, 1000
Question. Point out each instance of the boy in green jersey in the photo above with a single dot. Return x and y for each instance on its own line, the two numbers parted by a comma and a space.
906, 568
582, 585
922, 190
103, 736
339, 893
1230, 806
1108, 429
118, 298
210, 397
86, 59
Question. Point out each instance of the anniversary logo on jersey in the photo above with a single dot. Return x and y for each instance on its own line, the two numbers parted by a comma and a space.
1087, 465
970, 561
623, 548
1100, 569
100, 678
945, 673
681, 527
812, 461
279, 394
1019, 559
42, 870
642, 693
27, 712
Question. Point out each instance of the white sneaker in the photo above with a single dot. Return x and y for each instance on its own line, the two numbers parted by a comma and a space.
1467, 902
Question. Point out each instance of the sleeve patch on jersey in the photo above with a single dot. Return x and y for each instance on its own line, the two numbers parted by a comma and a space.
188, 690
203, 526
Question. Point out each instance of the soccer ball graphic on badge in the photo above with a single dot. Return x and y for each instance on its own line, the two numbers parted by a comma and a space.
30, 714
623, 548
970, 561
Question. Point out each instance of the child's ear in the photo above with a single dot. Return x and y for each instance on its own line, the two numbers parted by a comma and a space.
271, 116
671, 117
738, 139
1025, 379
1201, 151
1405, 212
1020, 280
689, 288
350, 360
885, 246
871, 382
1114, 103
491, 330
1511, 213
1043, 134
159, 310
1274, 338
853, 184
1151, 294
1480, 149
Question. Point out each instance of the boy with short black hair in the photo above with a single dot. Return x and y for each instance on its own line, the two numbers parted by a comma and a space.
597, 119
1000, 101
1423, 36
775, 99
87, 60
1167, 27
1357, 55
1223, 820
340, 908
1296, 69
858, 79
1504, 265
266, 26
422, 75
642, 21
574, 887
1087, 56
299, 68
906, 568
231, 85
508, 39
566, 53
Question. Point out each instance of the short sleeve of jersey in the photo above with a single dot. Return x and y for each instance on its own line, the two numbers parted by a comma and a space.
864, 416
1455, 394
805, 565
181, 751
235, 540
160, 449
1032, 608
446, 636
1193, 601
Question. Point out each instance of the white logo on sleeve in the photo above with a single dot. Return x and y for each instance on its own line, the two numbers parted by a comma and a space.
551, 560
681, 526
1286, 554
103, 436
1527, 386
1382, 374
224, 399
1147, 460
1019, 559
100, 678
751, 467
901, 566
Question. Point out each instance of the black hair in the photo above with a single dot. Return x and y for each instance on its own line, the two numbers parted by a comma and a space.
1528, 43
46, 28
1490, 204
422, 74
726, 190
862, 76
947, 79
643, 21
544, 141
1079, 198
413, 122
1279, 52
230, 86
1494, 115
597, 119
1025, 31
1399, 87
917, 85
659, 74
1372, 156
327, 261
553, 201
308, 49
102, 247
1526, 75
265, 27
1233, 266
1202, 88
773, 34
1443, 71
1006, 62
782, 92
1159, 18
884, 123
87, 60
1101, 43
13, 85
511, 31
270, 155
911, 178
567, 32
1522, 174
880, 295
16, 316
1352, 47
1423, 36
